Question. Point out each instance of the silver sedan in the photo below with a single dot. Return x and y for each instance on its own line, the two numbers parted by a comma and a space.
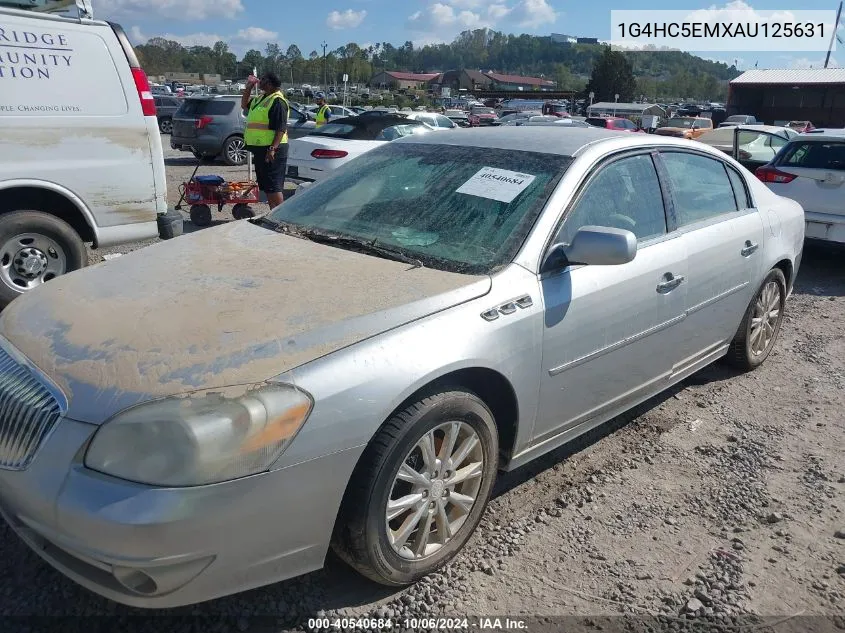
352, 370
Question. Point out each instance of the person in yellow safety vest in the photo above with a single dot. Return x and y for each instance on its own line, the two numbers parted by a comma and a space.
266, 134
323, 111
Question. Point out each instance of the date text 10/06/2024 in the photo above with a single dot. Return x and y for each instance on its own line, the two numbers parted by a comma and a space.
414, 624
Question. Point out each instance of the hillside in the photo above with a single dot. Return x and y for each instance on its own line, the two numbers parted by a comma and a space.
668, 74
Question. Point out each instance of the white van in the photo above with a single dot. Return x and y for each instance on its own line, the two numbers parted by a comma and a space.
81, 157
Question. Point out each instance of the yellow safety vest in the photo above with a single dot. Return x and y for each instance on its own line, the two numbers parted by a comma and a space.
321, 115
258, 132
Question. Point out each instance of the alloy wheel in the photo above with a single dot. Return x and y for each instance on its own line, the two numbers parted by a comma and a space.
764, 321
435, 490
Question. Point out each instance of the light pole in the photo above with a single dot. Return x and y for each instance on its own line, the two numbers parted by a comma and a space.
615, 101
592, 96
325, 46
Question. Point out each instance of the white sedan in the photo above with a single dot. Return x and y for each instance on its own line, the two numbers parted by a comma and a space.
811, 171
317, 155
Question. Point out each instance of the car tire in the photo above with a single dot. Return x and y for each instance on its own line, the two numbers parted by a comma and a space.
235, 151
36, 239
201, 215
365, 533
760, 326
165, 126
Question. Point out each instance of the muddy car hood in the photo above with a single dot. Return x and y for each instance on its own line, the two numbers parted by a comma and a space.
233, 305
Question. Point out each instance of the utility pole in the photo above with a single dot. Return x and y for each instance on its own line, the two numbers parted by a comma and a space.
833, 35
325, 84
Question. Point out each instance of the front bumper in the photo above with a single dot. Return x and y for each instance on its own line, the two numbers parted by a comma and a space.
161, 548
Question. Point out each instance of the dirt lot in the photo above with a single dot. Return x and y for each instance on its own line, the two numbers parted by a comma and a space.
722, 498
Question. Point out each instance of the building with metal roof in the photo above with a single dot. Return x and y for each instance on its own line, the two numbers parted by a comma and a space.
778, 95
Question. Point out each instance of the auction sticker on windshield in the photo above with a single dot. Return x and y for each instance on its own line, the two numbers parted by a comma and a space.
496, 184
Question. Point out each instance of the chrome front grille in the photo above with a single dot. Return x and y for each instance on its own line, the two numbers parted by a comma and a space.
28, 412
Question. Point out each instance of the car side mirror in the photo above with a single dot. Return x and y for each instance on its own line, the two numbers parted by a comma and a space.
593, 246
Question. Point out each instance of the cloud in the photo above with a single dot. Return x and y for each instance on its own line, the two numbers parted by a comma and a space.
534, 13
348, 19
171, 9
806, 62
442, 20
239, 42
255, 35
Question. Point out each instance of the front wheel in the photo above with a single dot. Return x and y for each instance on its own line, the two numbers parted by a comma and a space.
761, 324
36, 247
165, 126
419, 489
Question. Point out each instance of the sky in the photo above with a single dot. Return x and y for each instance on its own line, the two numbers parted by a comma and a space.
247, 24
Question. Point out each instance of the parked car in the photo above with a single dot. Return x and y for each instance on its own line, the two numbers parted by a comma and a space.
811, 171
210, 127
510, 117
363, 361
319, 154
434, 120
213, 126
801, 126
552, 120
82, 159
618, 124
739, 119
458, 116
166, 107
756, 144
685, 127
480, 115
160, 90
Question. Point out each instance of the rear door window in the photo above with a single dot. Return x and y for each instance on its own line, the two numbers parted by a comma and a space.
701, 188
814, 155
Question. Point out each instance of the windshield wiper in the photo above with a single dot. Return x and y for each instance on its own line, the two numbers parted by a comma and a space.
366, 246
280, 227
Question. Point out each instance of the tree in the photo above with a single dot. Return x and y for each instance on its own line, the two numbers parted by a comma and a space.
612, 74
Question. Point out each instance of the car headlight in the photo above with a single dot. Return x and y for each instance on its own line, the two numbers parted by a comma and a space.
192, 441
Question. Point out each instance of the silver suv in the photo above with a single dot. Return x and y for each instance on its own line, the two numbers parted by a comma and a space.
213, 126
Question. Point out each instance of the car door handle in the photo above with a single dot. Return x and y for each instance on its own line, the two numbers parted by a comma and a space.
670, 284
749, 249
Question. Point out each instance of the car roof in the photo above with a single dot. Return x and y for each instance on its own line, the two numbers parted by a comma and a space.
521, 138
821, 134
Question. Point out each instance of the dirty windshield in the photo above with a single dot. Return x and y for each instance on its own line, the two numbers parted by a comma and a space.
462, 209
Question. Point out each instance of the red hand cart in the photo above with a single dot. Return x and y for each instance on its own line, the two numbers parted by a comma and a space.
206, 191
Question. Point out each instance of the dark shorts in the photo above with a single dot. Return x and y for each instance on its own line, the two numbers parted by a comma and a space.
270, 176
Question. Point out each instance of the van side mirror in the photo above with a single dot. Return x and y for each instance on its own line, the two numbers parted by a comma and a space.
593, 246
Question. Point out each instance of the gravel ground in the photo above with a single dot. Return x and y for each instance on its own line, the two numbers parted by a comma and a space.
720, 501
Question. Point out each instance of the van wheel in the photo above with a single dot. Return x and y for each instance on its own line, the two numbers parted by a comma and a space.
419, 489
234, 152
165, 126
36, 247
